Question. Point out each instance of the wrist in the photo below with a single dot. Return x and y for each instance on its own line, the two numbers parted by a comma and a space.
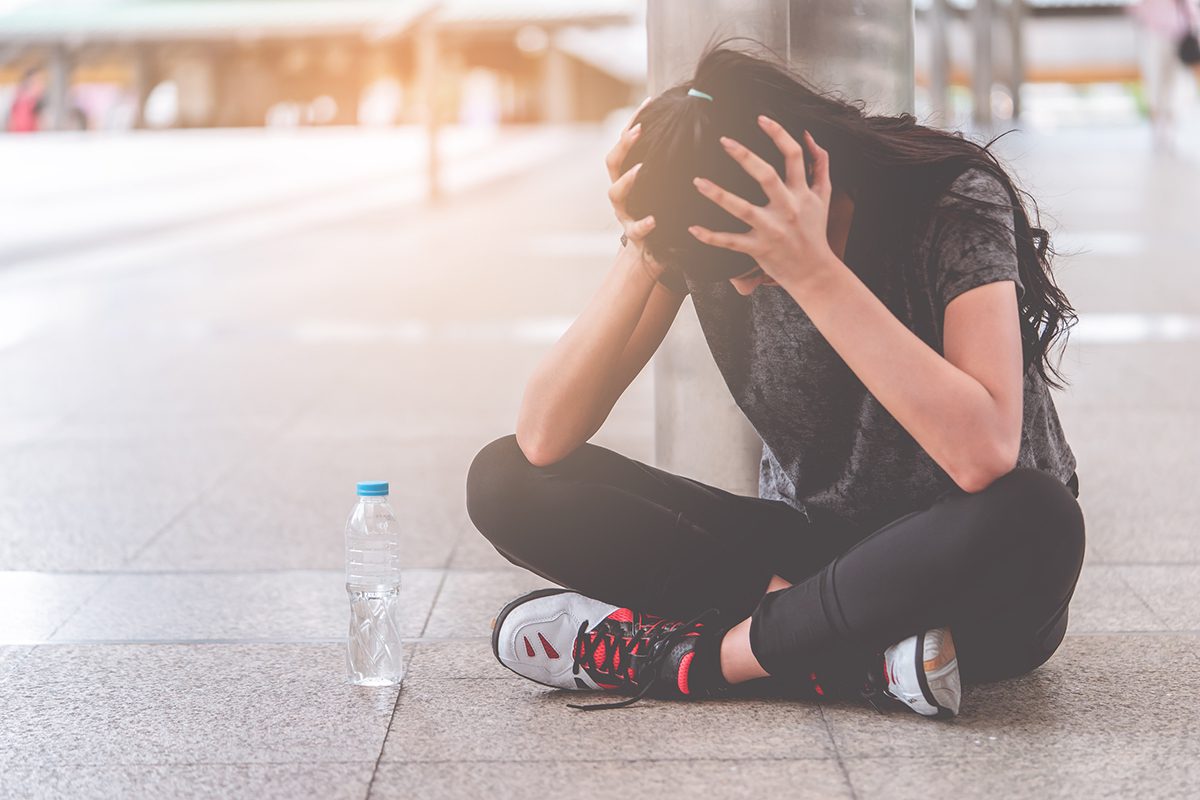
815, 277
634, 267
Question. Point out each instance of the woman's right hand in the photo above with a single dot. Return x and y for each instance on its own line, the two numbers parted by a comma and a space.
636, 231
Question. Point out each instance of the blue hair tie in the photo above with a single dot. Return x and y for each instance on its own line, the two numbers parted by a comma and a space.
698, 93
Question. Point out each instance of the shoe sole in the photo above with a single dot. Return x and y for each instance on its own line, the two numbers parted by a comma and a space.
498, 623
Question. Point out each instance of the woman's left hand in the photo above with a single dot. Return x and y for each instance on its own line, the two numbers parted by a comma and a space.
788, 237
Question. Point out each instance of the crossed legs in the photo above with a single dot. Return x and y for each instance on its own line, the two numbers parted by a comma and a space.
998, 567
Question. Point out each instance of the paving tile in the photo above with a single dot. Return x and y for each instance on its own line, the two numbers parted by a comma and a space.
242, 434
236, 532
1171, 592
278, 606
92, 504
322, 472
344, 781
43, 530
475, 552
1131, 376
296, 498
35, 604
181, 465
1162, 532
1103, 601
109, 705
470, 659
10, 655
1118, 772
217, 378
813, 778
1135, 482
213, 534
20, 429
469, 600
408, 421
504, 721
34, 370
1098, 692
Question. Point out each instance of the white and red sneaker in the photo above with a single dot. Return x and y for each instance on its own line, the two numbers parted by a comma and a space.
922, 673
563, 639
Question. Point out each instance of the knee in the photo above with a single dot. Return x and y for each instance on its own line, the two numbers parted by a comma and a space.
492, 482
1037, 494
1036, 509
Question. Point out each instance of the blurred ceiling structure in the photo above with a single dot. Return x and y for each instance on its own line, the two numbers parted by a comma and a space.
45, 21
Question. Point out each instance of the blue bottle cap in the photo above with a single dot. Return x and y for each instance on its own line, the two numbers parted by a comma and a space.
372, 488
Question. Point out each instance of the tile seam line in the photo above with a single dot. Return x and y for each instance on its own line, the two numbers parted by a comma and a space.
72, 414
408, 665
1145, 603
700, 759
429, 640
386, 732
230, 641
36, 765
237, 462
837, 753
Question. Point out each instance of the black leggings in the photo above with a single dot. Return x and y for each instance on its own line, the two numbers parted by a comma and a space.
998, 567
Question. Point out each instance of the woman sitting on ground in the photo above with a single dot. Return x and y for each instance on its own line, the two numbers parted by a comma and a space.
881, 309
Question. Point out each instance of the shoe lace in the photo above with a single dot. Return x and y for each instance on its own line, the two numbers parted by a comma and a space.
874, 688
643, 654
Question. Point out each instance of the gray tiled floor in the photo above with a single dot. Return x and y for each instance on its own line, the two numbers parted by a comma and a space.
1138, 772
439, 719
336, 781
799, 778
104, 705
285, 605
177, 461
1102, 693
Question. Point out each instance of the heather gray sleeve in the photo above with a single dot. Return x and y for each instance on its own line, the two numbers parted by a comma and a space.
973, 244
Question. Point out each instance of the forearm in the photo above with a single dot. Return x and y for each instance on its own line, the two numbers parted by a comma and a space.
569, 393
947, 411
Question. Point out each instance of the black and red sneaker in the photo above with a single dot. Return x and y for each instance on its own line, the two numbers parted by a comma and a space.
563, 639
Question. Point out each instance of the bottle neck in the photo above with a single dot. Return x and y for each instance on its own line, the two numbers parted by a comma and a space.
375, 499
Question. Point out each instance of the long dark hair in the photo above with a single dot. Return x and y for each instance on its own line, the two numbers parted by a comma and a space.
881, 154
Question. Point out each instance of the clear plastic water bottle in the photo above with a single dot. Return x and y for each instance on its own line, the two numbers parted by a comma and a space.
373, 652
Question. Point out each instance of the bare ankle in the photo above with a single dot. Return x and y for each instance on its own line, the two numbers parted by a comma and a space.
776, 584
738, 663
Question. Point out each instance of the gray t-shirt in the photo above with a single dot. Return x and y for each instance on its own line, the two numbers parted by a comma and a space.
827, 442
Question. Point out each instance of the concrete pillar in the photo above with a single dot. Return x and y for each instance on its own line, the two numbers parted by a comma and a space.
863, 49
556, 86
1016, 31
429, 96
58, 88
939, 61
982, 17
145, 77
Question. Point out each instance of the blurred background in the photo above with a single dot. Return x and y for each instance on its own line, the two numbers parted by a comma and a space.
241, 105
253, 251
120, 65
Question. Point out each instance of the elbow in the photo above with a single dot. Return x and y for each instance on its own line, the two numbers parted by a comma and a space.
536, 451
533, 451
985, 463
